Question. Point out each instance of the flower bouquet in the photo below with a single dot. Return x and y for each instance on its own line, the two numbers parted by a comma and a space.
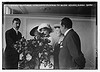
33, 49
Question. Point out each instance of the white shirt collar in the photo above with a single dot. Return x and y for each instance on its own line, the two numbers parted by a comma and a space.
67, 31
15, 30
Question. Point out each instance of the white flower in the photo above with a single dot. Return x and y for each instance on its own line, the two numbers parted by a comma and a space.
28, 57
61, 46
46, 53
21, 55
40, 44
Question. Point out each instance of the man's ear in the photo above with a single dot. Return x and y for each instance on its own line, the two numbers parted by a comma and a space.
64, 26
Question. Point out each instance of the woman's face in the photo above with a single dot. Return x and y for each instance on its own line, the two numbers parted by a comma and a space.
45, 31
58, 30
36, 33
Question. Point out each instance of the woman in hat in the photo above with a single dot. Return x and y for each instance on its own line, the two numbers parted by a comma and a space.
36, 34
45, 29
59, 36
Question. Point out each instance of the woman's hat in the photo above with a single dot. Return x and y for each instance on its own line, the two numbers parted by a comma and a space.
33, 30
57, 26
44, 25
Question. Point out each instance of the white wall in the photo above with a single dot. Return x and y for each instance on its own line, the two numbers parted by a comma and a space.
85, 27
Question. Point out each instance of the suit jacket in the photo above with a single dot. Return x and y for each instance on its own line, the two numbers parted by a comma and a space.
70, 56
11, 55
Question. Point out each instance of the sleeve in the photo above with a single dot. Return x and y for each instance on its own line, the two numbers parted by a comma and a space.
20, 35
78, 59
72, 47
9, 40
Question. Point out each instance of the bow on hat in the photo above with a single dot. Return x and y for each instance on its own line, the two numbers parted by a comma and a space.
44, 25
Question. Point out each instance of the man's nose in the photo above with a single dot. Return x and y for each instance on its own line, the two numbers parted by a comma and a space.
17, 24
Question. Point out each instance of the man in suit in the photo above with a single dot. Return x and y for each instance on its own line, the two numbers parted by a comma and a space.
70, 56
12, 35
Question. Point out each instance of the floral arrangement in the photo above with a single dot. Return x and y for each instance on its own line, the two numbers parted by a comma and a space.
32, 50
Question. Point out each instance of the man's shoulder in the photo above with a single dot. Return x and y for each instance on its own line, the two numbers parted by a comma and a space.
72, 32
9, 30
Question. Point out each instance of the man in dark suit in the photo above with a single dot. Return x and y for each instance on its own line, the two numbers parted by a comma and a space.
12, 35
70, 56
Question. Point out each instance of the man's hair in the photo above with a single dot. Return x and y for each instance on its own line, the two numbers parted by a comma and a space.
16, 19
67, 22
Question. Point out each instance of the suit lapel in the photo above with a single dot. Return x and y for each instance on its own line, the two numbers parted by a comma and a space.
14, 31
14, 34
